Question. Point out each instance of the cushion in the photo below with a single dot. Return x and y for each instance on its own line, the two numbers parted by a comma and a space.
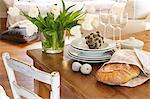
18, 35
100, 4
138, 8
142, 8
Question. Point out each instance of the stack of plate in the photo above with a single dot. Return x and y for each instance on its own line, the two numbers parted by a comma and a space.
78, 50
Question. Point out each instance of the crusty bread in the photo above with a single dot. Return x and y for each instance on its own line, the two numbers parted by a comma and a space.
115, 74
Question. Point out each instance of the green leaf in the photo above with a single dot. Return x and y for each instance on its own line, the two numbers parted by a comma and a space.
63, 5
47, 19
74, 15
71, 24
80, 16
65, 19
39, 25
39, 18
54, 28
70, 7
28, 17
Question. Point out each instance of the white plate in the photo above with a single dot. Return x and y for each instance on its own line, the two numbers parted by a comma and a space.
87, 61
89, 57
90, 54
80, 44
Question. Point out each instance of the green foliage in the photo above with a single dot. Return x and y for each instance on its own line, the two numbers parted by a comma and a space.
66, 20
53, 28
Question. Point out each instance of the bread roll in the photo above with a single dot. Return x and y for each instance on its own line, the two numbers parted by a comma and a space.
115, 74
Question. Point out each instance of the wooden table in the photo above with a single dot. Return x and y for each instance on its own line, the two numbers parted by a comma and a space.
74, 85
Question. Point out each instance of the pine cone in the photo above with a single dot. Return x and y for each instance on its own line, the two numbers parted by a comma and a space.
94, 40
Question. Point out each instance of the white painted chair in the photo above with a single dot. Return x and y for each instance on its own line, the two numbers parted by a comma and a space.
3, 93
12, 65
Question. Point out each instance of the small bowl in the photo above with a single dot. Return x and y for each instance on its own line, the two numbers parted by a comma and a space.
132, 43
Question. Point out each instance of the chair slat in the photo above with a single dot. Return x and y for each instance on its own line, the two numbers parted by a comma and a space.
3, 93
12, 65
11, 75
25, 93
30, 71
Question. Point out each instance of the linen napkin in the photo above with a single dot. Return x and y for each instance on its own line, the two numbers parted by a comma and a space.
135, 57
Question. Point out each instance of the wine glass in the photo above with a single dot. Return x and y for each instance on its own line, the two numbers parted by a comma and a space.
119, 22
122, 22
104, 18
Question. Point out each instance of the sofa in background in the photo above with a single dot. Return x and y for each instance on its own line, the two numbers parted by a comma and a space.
135, 9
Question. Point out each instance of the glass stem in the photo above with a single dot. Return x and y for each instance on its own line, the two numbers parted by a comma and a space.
114, 34
120, 33
105, 26
119, 40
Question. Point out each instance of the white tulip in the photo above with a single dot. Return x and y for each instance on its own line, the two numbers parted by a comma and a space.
90, 21
95, 21
76, 31
31, 29
43, 14
43, 11
55, 9
88, 17
87, 25
14, 11
90, 9
33, 11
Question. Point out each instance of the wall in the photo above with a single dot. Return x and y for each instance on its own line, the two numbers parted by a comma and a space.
3, 9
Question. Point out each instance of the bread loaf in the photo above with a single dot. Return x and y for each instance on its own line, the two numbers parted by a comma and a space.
115, 74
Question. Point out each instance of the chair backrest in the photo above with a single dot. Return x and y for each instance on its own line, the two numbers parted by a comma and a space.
3, 93
12, 65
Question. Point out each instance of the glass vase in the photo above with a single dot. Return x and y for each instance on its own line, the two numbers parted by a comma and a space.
53, 41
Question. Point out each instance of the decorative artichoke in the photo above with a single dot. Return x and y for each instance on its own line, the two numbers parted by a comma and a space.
94, 40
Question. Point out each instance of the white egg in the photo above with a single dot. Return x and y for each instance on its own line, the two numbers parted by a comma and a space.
76, 66
86, 69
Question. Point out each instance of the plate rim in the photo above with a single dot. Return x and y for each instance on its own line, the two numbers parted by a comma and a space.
90, 57
93, 49
88, 61
85, 59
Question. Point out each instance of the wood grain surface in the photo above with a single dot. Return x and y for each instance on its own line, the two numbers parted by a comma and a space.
18, 51
78, 86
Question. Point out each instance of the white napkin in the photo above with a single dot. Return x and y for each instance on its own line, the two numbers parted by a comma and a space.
135, 57
144, 58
